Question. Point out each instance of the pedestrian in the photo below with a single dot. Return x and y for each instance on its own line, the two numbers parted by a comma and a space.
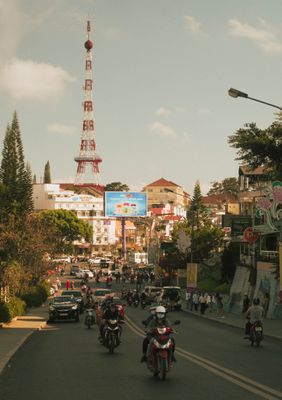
188, 298
72, 285
246, 303
58, 283
67, 284
265, 303
195, 300
203, 303
219, 303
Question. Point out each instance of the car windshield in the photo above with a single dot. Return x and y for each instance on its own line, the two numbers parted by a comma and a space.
63, 299
101, 292
73, 293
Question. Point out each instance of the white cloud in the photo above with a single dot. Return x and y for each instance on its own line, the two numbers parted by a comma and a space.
263, 37
62, 129
193, 25
29, 80
157, 128
162, 111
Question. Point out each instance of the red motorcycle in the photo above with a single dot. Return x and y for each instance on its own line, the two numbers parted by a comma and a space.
161, 350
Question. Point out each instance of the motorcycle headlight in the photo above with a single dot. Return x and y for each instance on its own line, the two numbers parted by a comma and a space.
51, 308
74, 307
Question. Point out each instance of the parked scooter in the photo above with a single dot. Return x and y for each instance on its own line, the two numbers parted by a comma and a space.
89, 317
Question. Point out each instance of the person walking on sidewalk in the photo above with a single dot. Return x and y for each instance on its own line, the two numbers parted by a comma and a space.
219, 303
195, 300
246, 303
188, 299
203, 303
67, 284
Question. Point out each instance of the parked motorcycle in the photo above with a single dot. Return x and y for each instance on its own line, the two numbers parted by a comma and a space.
89, 317
112, 335
256, 333
161, 351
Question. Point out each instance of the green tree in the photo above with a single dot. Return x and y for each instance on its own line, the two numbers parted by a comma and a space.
15, 175
47, 173
260, 147
63, 228
227, 185
116, 187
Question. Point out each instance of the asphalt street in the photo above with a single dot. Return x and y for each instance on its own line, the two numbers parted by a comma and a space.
65, 360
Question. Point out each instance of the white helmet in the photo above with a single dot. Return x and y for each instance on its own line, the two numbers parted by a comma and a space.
160, 312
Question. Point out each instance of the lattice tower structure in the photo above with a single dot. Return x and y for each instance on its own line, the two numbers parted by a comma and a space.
87, 154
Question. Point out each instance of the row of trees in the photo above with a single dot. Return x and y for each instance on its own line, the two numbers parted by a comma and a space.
26, 237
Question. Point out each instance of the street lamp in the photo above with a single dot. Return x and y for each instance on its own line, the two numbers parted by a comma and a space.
237, 93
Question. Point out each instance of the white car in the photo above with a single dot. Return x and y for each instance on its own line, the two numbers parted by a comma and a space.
82, 272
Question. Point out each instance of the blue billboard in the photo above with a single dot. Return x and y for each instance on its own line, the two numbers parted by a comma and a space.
125, 204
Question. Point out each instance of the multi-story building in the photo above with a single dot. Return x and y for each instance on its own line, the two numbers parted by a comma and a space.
85, 206
219, 205
163, 191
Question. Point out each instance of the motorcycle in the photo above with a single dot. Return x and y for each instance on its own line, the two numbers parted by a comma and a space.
112, 332
89, 318
161, 351
136, 303
256, 333
143, 303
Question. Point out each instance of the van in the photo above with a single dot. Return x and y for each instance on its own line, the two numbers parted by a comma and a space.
171, 295
151, 292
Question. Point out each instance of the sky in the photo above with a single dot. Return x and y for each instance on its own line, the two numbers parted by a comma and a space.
161, 70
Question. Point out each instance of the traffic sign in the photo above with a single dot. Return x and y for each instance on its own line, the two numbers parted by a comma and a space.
249, 235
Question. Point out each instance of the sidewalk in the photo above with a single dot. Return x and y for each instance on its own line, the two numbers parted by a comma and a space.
271, 327
15, 333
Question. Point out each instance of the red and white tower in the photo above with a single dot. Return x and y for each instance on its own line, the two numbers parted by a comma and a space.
87, 154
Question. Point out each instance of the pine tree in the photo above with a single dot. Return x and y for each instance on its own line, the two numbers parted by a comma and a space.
197, 214
47, 173
15, 176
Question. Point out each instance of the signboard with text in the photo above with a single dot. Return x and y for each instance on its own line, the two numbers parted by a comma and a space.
125, 204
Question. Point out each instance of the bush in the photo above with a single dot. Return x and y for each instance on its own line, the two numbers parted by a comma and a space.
33, 297
223, 288
5, 315
14, 307
208, 285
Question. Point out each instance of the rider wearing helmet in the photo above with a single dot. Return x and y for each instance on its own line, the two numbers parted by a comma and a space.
111, 312
158, 319
253, 314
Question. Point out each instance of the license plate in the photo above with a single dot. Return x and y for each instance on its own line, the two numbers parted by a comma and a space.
258, 328
64, 314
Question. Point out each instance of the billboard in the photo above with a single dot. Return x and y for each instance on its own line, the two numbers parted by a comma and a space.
125, 204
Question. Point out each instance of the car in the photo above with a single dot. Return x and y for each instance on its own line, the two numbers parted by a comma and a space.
74, 269
151, 292
63, 307
171, 296
99, 294
83, 272
78, 297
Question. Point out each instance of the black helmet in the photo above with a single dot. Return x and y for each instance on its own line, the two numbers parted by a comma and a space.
256, 302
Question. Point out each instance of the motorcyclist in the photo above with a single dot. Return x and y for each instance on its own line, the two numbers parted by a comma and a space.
111, 312
157, 319
253, 314
135, 296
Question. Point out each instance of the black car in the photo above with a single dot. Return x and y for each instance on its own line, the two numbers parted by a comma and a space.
78, 297
63, 307
74, 269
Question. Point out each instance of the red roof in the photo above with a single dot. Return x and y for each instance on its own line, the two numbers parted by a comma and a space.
219, 198
162, 182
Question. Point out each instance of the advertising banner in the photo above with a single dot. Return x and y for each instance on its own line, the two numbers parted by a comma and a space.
192, 274
125, 204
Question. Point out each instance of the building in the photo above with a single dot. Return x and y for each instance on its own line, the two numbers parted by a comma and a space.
87, 207
219, 205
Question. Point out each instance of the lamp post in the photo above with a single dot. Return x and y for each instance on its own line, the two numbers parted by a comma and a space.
237, 93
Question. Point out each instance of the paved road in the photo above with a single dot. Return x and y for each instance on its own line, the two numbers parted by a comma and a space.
66, 360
